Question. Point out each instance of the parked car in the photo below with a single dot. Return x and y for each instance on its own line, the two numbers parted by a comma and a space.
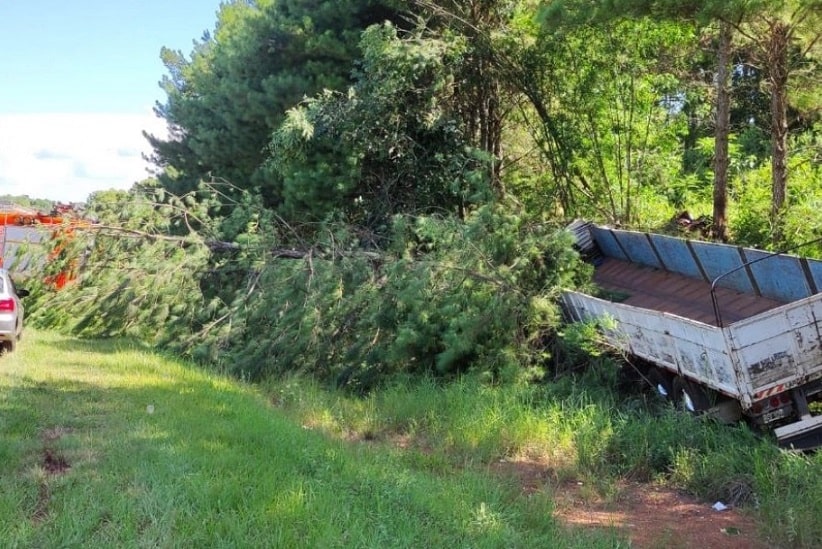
11, 312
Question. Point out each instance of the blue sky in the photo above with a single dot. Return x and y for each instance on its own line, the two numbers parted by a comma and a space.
78, 80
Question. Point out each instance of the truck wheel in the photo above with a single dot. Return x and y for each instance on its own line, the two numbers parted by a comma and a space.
661, 383
726, 411
690, 396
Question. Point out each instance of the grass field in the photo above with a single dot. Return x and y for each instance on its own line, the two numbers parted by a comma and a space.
583, 429
107, 444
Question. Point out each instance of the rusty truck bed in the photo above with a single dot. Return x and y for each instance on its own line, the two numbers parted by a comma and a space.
665, 291
765, 343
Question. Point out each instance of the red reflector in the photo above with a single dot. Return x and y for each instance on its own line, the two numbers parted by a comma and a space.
756, 408
7, 305
785, 398
774, 402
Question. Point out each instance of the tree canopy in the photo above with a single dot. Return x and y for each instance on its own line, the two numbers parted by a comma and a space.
225, 99
362, 188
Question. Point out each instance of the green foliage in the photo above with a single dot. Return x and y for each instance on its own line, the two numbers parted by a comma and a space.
41, 204
392, 144
750, 219
600, 110
447, 297
605, 98
439, 295
132, 277
262, 59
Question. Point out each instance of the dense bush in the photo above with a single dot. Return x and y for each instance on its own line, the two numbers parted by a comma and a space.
391, 144
128, 274
446, 297
443, 296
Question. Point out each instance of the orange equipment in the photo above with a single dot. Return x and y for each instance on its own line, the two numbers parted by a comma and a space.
18, 225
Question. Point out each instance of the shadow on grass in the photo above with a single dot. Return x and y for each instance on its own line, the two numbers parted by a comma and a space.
97, 346
177, 456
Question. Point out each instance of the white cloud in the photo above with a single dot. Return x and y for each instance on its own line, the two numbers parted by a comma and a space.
66, 157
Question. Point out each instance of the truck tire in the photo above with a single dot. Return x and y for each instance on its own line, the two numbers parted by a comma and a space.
726, 411
689, 396
660, 382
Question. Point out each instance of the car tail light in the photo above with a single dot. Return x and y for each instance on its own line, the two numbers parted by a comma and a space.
7, 305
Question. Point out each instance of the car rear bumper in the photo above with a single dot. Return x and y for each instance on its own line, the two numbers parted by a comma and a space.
8, 327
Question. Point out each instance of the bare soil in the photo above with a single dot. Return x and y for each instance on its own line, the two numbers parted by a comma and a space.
649, 515
53, 464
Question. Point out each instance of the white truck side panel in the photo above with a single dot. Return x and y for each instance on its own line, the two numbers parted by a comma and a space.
782, 346
751, 359
684, 346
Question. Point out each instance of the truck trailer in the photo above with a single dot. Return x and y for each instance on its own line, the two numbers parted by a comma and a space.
715, 328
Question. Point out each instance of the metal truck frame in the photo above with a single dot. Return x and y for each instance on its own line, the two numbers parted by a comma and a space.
722, 329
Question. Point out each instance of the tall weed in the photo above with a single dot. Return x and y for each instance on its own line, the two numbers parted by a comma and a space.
582, 427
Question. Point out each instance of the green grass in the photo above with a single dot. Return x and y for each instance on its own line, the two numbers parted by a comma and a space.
290, 464
582, 429
109, 444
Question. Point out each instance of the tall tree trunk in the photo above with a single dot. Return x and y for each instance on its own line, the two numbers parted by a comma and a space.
723, 122
778, 82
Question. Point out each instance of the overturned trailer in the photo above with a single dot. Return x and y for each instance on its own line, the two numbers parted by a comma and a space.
717, 328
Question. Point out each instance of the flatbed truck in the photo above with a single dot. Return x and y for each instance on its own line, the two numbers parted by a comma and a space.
715, 328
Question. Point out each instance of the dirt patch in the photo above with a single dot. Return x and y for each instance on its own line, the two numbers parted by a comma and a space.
652, 516
649, 516
53, 463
